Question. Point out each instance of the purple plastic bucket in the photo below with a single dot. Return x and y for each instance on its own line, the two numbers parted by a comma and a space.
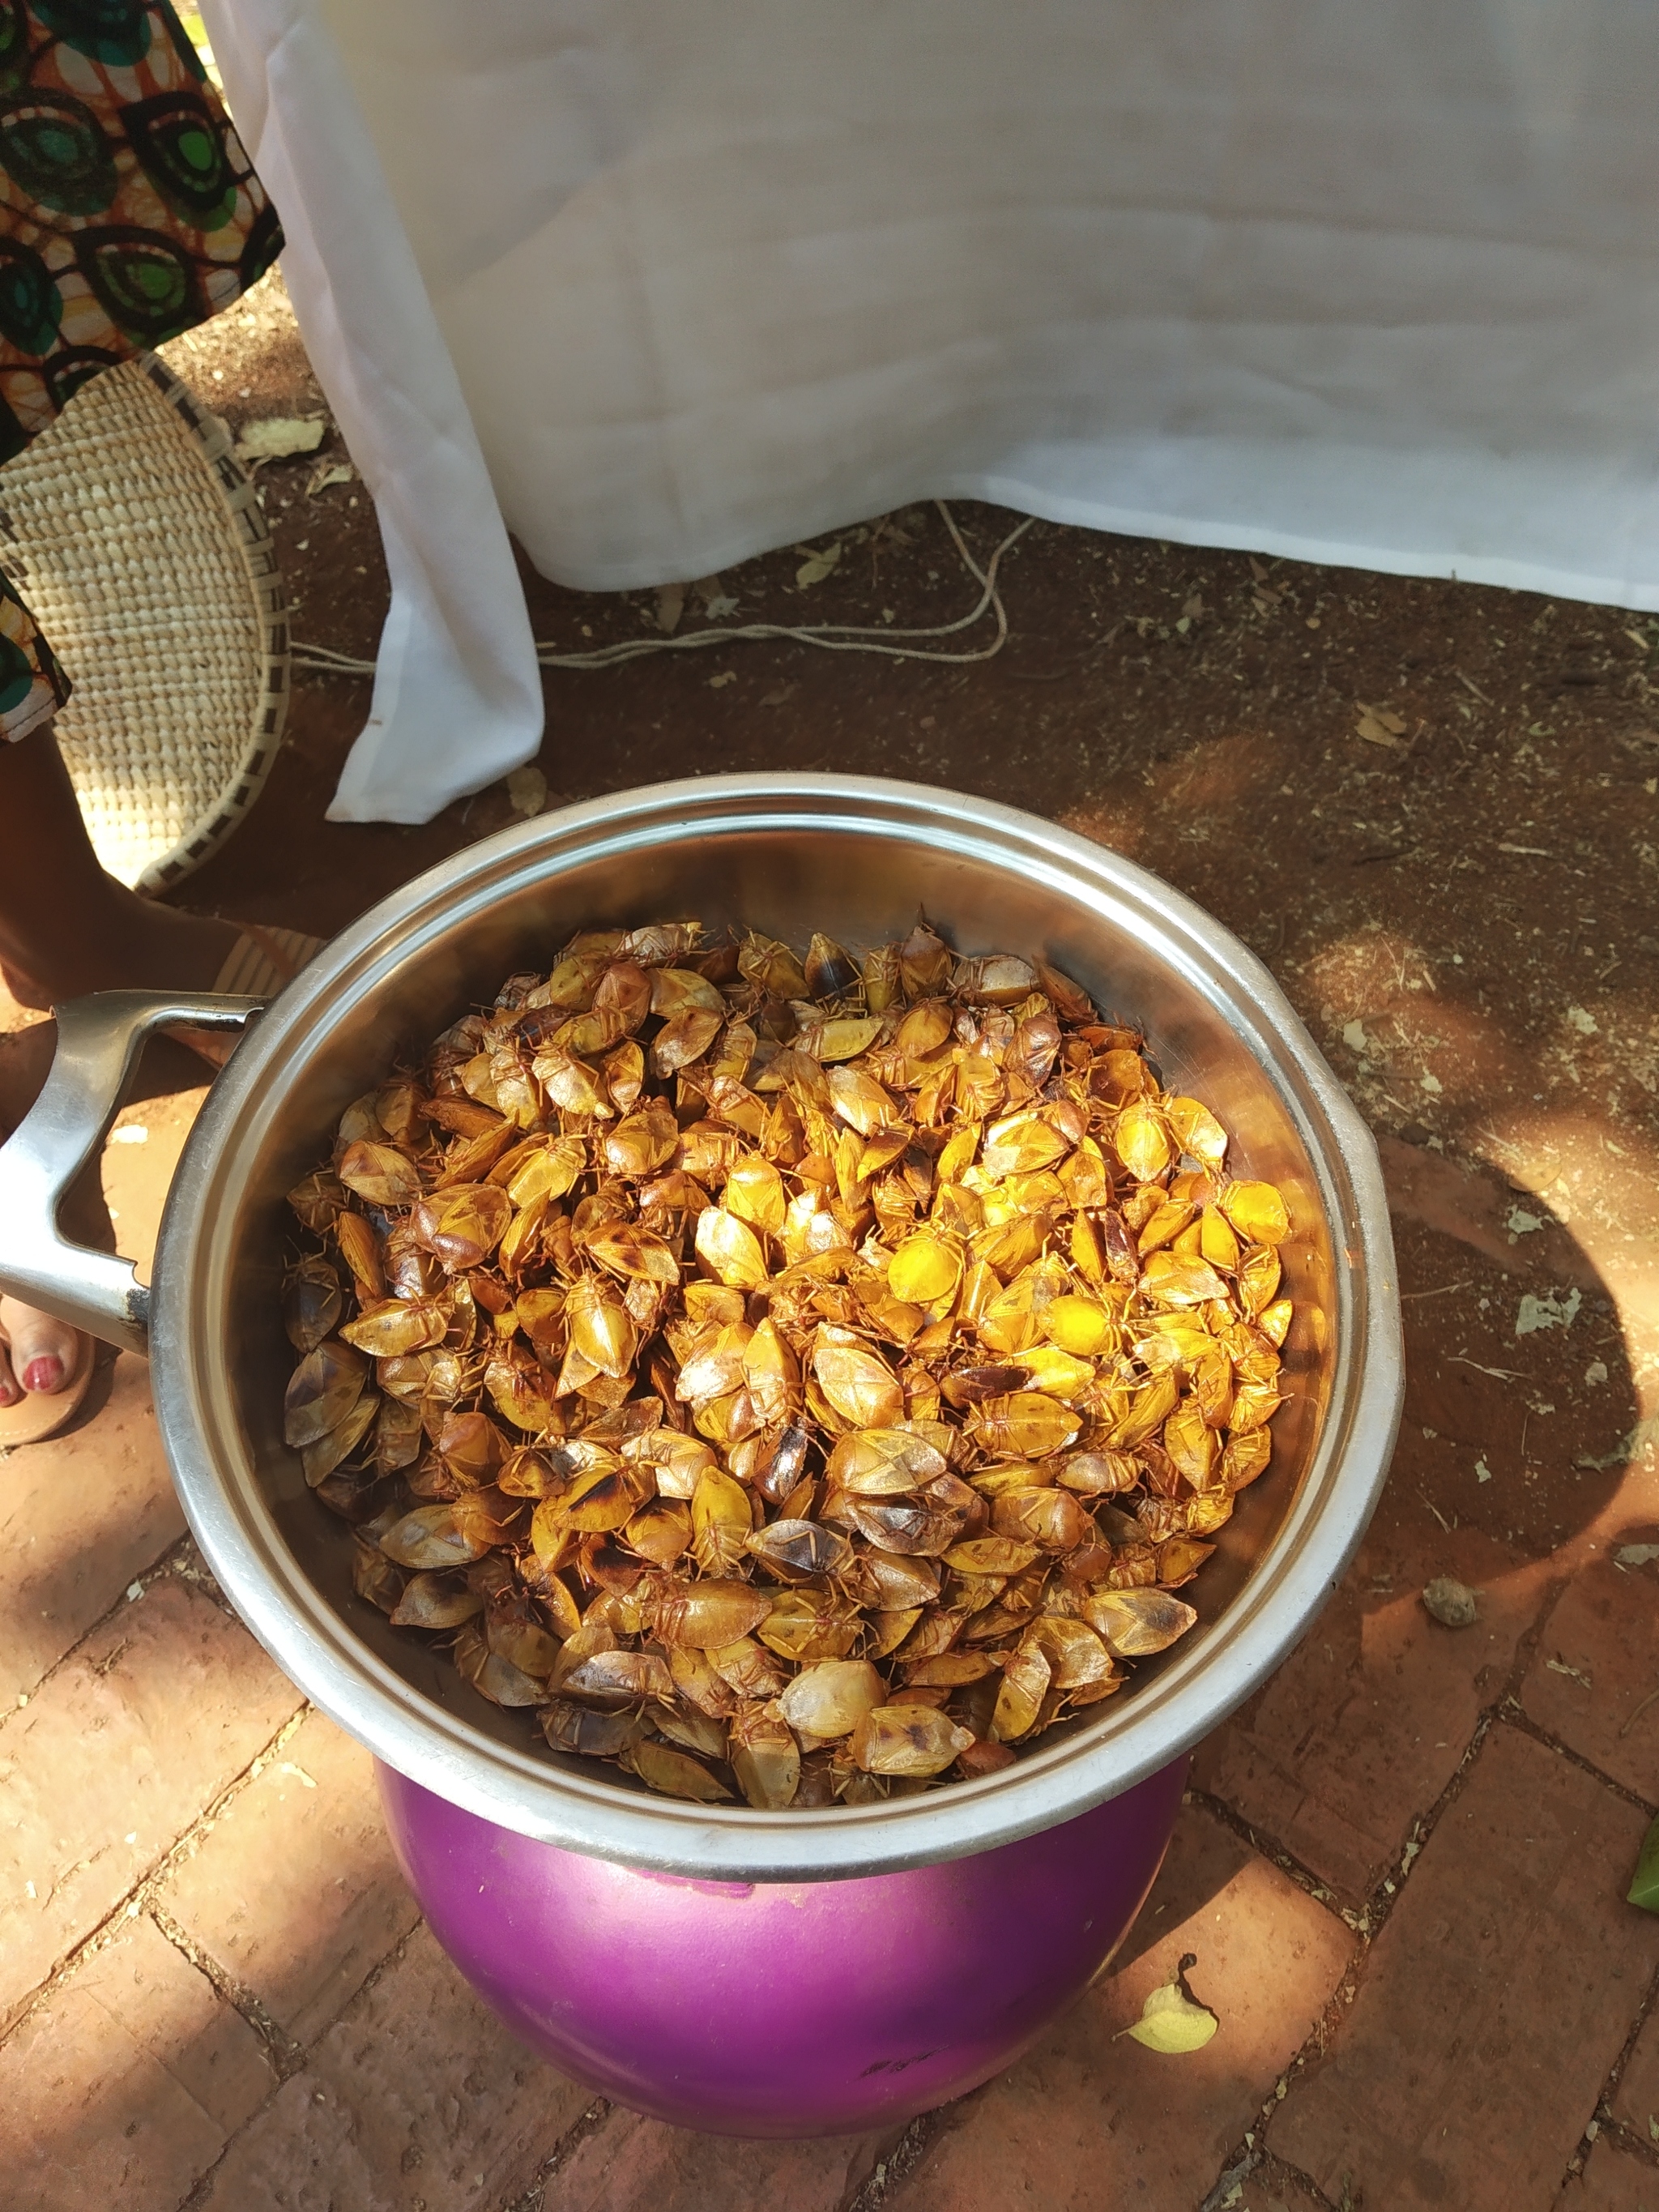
781, 2009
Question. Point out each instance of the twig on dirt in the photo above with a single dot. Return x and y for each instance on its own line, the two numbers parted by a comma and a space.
1440, 1291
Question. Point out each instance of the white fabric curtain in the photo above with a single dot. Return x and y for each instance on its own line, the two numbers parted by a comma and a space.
1367, 285
458, 697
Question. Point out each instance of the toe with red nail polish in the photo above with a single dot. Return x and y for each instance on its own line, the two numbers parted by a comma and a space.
45, 1375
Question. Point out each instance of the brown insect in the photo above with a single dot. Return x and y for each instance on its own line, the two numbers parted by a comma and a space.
792, 1376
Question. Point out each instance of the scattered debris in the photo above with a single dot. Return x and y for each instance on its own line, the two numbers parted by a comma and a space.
1482, 1472
670, 605
1451, 1602
1584, 1022
716, 601
816, 565
1498, 1374
1558, 1665
276, 437
527, 789
1520, 1224
1547, 1312
1635, 1555
326, 474
1629, 1447
727, 676
1380, 727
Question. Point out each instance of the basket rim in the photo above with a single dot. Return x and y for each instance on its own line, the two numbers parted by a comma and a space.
246, 528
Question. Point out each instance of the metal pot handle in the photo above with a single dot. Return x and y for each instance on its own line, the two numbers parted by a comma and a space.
98, 1041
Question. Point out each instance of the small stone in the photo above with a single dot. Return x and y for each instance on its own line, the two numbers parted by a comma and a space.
1451, 1602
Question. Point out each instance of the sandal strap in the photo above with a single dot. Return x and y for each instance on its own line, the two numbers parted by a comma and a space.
261, 960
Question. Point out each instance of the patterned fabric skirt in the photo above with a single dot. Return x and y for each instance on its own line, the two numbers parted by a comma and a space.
129, 212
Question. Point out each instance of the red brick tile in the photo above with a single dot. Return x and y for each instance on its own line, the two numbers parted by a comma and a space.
295, 1891
1363, 1726
79, 1515
1493, 2003
636, 2165
416, 2101
149, 1719
123, 2085
1613, 2181
1597, 1661
1635, 2100
1084, 2121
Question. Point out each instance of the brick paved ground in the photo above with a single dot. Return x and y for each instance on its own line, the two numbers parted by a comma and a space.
1400, 1867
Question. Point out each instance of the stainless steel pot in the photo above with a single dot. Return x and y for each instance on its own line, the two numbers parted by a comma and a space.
786, 853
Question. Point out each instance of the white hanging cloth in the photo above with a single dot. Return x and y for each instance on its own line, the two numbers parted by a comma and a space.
1371, 286
457, 699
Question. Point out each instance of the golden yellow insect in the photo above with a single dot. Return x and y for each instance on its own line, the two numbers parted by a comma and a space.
791, 1377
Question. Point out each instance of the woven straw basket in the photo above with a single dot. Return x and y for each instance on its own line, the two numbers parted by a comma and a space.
136, 539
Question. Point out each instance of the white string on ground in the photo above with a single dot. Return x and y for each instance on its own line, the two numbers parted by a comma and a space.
833, 637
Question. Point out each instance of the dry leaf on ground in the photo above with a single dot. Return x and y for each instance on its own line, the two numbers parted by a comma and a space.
1171, 2023
717, 602
275, 437
1644, 1883
327, 474
816, 565
1379, 726
527, 789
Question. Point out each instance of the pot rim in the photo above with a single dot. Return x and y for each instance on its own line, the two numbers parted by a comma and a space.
1204, 1680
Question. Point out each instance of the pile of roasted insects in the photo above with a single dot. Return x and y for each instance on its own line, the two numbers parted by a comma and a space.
797, 1379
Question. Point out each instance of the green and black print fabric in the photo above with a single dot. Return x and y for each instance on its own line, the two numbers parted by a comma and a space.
32, 685
128, 211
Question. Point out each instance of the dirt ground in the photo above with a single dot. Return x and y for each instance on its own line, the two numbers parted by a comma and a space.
1433, 809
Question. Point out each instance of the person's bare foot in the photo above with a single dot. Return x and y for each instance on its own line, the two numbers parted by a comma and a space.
67, 929
37, 1353
126, 943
